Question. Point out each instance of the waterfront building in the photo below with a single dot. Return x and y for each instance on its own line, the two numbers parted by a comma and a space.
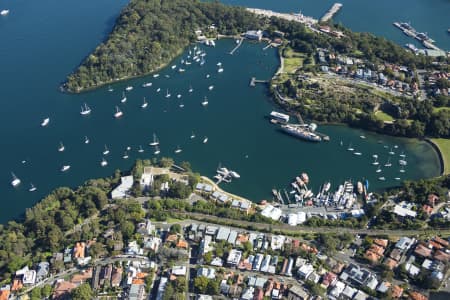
254, 35
121, 191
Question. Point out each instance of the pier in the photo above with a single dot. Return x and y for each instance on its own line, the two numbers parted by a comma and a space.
331, 12
237, 46
254, 81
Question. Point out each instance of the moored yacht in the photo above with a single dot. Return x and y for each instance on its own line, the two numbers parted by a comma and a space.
65, 168
85, 110
191, 89
144, 104
178, 149
220, 70
86, 140
140, 149
205, 101
15, 181
4, 12
155, 75
32, 188
61, 147
128, 88
350, 147
103, 163
211, 87
167, 93
45, 122
155, 141
106, 151
118, 113
124, 98
146, 84
157, 151
205, 140
192, 135
125, 155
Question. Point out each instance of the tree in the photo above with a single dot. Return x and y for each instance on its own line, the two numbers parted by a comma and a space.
175, 228
201, 284
213, 287
46, 291
82, 292
127, 229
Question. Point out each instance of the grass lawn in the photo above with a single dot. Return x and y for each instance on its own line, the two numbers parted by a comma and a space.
293, 63
444, 147
384, 116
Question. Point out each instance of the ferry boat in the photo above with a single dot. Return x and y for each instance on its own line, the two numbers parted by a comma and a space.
45, 122
15, 181
32, 188
103, 163
155, 141
85, 110
65, 168
118, 113
279, 116
128, 88
4, 12
301, 133
61, 147
146, 84
205, 101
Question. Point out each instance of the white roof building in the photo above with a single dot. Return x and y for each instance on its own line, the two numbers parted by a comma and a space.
234, 257
337, 289
271, 212
209, 273
179, 270
126, 182
305, 270
29, 277
277, 242
404, 212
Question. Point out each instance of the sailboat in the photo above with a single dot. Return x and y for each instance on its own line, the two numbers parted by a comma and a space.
118, 113
350, 147
402, 154
15, 181
402, 169
65, 168
391, 152
167, 93
32, 188
86, 140
110, 89
205, 101
375, 162
205, 140
157, 151
103, 163
388, 163
155, 141
140, 149
45, 122
178, 150
61, 147
106, 151
192, 135
124, 98
86, 110
125, 155
190, 89
378, 170
144, 104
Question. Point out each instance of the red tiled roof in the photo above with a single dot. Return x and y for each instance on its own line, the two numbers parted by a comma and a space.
422, 250
441, 256
441, 241
397, 291
4, 295
417, 296
62, 288
381, 242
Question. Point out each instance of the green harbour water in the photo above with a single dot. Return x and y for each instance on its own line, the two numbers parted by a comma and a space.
42, 42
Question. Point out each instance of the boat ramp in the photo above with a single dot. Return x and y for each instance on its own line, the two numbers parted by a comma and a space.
331, 12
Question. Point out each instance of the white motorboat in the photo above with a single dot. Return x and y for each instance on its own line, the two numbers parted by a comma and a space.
146, 84
15, 181
140, 149
235, 174
125, 155
85, 110
158, 90
178, 149
381, 178
181, 70
205, 140
118, 113
106, 151
65, 168
61, 147
155, 141
144, 104
32, 188
207, 75
378, 170
220, 70
358, 153
128, 148
181, 105
179, 96
350, 147
205, 101
219, 64
397, 178
375, 162
45, 122
388, 163
174, 67
402, 154
402, 162
362, 136
128, 88
4, 12
103, 163
155, 75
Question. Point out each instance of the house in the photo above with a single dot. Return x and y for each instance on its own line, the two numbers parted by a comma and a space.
412, 269
152, 243
179, 270
248, 293
204, 297
209, 273
328, 279
28, 276
384, 287
79, 250
223, 233
121, 191
390, 263
277, 242
441, 241
355, 275
4, 294
422, 250
360, 295
305, 270
271, 212
348, 292
397, 291
405, 243
137, 292
297, 293
134, 249
313, 277
381, 242
147, 179
82, 277
396, 254
42, 270
417, 296
404, 212
116, 277
62, 290
161, 288
145, 228
337, 289
234, 256
441, 256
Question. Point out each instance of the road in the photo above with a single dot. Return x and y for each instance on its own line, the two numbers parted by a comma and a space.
287, 229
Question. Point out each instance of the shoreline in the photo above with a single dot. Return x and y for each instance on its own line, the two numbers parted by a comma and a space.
439, 153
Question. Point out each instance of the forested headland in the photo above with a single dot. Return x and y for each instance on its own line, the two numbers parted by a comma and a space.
148, 34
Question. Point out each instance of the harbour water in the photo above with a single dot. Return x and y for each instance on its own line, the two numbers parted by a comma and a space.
43, 42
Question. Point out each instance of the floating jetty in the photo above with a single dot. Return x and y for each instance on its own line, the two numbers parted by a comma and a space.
254, 81
331, 12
